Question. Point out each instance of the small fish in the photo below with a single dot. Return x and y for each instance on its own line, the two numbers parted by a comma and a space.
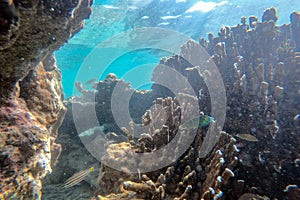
248, 137
77, 177
201, 121
90, 81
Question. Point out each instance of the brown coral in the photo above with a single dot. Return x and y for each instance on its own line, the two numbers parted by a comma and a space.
189, 177
259, 65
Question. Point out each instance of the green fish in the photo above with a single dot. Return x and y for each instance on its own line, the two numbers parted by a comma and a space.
200, 121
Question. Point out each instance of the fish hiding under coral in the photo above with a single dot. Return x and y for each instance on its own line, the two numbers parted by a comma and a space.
77, 177
197, 122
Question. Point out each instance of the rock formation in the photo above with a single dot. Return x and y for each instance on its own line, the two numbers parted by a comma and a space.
31, 95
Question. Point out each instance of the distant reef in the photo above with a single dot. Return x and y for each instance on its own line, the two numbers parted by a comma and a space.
31, 107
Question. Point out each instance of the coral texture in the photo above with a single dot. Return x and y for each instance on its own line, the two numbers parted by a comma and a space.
31, 96
259, 64
259, 67
78, 128
188, 177
31, 30
29, 119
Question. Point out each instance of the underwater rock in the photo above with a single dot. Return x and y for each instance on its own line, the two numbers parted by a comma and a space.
9, 23
293, 192
248, 196
31, 30
29, 120
31, 95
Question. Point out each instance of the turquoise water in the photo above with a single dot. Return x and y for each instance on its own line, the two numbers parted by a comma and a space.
193, 18
120, 67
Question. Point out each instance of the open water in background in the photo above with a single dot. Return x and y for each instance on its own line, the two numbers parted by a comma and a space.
191, 17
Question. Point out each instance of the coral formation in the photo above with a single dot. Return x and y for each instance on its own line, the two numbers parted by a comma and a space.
261, 92
189, 177
295, 25
259, 65
78, 130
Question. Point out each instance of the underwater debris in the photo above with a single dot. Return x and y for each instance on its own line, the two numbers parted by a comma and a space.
77, 177
247, 137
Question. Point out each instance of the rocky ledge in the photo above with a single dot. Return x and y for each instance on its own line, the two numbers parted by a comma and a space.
31, 108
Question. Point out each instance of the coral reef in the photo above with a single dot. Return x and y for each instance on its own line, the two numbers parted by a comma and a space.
262, 91
100, 100
189, 177
31, 108
259, 64
77, 130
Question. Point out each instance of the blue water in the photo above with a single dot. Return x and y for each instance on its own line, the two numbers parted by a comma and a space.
111, 17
